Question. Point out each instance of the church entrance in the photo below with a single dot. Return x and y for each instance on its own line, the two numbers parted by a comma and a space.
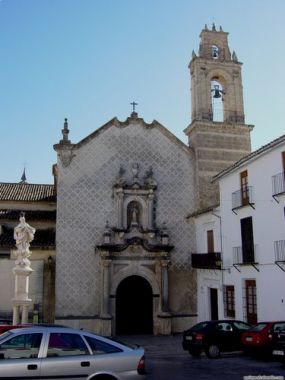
134, 307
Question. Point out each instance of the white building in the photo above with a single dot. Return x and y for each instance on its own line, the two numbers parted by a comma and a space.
251, 245
252, 205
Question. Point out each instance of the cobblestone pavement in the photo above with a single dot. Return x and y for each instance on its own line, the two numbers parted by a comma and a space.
166, 360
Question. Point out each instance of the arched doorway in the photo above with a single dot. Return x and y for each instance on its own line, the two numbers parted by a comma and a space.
134, 307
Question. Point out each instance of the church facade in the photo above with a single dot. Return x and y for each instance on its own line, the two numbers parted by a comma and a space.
123, 193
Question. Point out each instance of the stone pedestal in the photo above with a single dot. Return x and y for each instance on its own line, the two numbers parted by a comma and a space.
21, 302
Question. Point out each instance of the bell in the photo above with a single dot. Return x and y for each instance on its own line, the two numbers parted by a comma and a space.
217, 92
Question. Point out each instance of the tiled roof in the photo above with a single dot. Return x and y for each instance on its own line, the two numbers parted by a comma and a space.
26, 192
43, 238
29, 215
250, 157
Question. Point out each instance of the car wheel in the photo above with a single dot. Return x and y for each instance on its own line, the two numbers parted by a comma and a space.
194, 353
213, 351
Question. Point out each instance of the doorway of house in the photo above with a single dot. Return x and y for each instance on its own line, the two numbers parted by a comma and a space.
134, 310
214, 303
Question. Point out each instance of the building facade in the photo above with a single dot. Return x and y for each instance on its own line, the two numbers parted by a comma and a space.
252, 194
240, 256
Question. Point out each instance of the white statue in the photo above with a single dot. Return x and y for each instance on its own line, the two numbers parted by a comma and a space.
23, 234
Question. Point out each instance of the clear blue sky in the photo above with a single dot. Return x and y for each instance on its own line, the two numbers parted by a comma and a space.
88, 59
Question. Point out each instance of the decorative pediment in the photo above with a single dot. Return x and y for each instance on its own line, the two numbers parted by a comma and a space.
134, 179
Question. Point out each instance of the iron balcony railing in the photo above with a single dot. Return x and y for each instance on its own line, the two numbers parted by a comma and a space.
242, 255
278, 183
242, 197
279, 249
207, 260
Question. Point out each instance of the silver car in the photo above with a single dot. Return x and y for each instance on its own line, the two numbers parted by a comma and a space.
63, 353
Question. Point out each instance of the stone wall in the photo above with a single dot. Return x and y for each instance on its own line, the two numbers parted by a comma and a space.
86, 202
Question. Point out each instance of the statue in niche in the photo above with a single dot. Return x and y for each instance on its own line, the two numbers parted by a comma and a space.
133, 214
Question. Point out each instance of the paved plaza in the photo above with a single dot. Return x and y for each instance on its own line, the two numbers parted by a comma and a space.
166, 360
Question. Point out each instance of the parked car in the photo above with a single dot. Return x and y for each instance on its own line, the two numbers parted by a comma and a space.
258, 339
214, 337
278, 343
61, 352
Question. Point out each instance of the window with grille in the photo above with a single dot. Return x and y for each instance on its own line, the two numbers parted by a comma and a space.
229, 294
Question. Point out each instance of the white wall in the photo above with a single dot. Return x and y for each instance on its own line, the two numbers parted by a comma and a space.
207, 278
268, 226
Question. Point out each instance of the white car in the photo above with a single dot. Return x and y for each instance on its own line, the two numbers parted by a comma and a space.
48, 352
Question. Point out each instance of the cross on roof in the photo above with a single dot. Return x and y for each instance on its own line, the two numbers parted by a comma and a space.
134, 104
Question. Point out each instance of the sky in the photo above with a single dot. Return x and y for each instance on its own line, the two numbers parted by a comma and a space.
87, 60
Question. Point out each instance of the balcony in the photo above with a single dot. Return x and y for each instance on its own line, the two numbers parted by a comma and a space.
207, 260
279, 250
243, 256
242, 198
278, 184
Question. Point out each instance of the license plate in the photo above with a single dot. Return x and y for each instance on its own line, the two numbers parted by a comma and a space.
278, 352
248, 338
189, 338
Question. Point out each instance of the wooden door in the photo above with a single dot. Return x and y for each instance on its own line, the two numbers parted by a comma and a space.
250, 295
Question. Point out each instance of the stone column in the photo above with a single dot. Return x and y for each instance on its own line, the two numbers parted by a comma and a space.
105, 308
164, 266
120, 208
150, 211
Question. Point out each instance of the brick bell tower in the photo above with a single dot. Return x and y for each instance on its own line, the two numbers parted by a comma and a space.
218, 133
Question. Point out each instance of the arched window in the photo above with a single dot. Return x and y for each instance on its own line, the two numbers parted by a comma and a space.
215, 52
217, 94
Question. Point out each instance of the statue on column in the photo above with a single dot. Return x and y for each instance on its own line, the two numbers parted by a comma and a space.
23, 234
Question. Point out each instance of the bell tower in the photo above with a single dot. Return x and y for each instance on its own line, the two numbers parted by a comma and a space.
218, 133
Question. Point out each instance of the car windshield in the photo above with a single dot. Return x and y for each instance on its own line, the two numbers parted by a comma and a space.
258, 327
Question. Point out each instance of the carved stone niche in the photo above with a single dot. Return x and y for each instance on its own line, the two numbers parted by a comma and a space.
136, 201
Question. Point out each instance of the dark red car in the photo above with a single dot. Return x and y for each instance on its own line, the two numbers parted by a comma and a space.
258, 339
4, 328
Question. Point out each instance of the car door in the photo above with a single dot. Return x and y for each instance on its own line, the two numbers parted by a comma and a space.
66, 356
19, 356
